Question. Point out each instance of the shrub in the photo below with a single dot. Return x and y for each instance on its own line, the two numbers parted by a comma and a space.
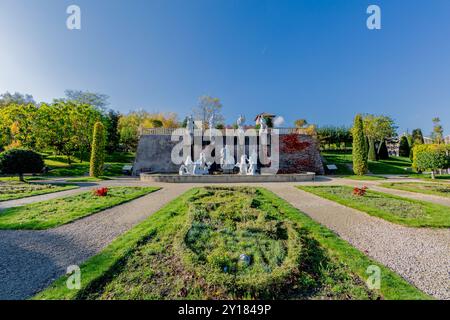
383, 153
359, 147
98, 151
100, 192
20, 161
431, 157
404, 149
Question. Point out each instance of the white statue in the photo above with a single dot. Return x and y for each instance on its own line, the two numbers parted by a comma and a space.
183, 170
211, 126
226, 159
240, 122
190, 124
199, 167
253, 164
263, 124
242, 165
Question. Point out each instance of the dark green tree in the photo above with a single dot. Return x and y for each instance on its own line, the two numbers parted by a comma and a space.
417, 137
21, 161
383, 153
404, 149
112, 131
360, 165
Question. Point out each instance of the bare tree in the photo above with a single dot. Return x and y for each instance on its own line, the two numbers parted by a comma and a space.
207, 108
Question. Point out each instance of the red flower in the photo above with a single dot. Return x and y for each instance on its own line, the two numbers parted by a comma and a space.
100, 192
360, 192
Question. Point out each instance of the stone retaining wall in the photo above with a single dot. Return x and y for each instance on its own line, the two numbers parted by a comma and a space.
299, 153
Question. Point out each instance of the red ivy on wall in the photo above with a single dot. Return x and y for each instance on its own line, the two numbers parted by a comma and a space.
291, 144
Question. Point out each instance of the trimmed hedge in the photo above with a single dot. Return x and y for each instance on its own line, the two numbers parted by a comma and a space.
359, 153
404, 149
383, 153
431, 157
98, 151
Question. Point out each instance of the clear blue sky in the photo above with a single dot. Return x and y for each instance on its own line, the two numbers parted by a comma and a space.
300, 59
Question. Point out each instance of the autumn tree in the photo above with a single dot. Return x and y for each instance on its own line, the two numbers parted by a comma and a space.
18, 125
300, 123
130, 125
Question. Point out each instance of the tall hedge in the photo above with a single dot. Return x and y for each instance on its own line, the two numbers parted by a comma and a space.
404, 149
360, 165
20, 161
98, 150
383, 153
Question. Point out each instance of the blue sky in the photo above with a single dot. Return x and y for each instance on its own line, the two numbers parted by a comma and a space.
310, 59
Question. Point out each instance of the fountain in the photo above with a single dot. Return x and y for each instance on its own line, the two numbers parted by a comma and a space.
197, 168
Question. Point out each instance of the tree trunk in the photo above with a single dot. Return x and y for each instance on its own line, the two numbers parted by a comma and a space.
21, 179
372, 150
433, 176
69, 161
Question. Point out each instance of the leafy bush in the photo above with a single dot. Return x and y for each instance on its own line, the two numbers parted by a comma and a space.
20, 161
98, 151
405, 149
431, 157
360, 165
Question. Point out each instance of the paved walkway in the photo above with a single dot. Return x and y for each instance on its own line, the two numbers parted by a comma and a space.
422, 256
31, 260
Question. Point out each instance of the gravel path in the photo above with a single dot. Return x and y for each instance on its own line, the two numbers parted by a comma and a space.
422, 256
31, 260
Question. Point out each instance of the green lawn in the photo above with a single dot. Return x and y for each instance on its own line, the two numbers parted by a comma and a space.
395, 209
191, 249
437, 189
364, 178
395, 165
113, 165
13, 189
56, 212
341, 160
427, 177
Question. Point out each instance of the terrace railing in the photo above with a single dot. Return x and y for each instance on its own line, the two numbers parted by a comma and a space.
169, 131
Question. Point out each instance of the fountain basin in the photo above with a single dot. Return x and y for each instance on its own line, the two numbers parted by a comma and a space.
227, 178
